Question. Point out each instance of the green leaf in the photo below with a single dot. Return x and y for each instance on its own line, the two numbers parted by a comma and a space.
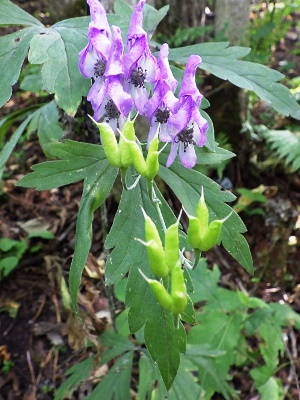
57, 48
96, 188
13, 50
270, 390
79, 160
221, 61
152, 17
45, 122
186, 184
11, 14
165, 343
116, 383
184, 385
148, 374
76, 374
128, 225
11, 143
117, 345
286, 145
212, 158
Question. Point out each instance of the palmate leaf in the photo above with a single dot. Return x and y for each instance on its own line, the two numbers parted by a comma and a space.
77, 161
186, 184
14, 15
116, 383
45, 122
222, 61
163, 341
57, 49
13, 50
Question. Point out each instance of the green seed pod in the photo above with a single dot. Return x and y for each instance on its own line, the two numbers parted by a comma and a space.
172, 246
109, 143
162, 295
211, 237
155, 248
152, 163
179, 302
193, 232
177, 280
137, 157
202, 214
156, 259
124, 148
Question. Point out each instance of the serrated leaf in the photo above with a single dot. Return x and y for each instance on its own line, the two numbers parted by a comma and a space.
213, 158
11, 14
222, 62
11, 143
96, 188
165, 343
117, 345
76, 374
127, 226
57, 48
116, 383
148, 374
13, 50
186, 184
286, 145
79, 160
45, 122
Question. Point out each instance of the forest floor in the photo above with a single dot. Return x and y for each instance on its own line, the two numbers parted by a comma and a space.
39, 339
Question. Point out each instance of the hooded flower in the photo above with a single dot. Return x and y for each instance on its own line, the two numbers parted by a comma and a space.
140, 65
93, 58
186, 126
107, 96
162, 104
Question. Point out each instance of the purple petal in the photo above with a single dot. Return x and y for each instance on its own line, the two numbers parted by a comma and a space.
98, 17
133, 55
173, 154
187, 155
87, 59
164, 66
164, 134
188, 85
140, 98
100, 42
97, 93
136, 30
121, 99
178, 121
115, 63
200, 128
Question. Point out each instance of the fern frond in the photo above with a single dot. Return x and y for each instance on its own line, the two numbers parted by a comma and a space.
286, 145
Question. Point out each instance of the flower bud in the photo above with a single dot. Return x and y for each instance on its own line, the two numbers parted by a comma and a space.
124, 148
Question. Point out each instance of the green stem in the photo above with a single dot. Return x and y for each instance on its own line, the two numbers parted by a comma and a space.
197, 258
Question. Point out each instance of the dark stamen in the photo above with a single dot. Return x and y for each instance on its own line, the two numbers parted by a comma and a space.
162, 115
111, 111
99, 68
137, 77
186, 137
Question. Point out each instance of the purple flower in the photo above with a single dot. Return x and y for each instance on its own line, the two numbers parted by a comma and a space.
107, 95
93, 58
186, 126
140, 65
162, 104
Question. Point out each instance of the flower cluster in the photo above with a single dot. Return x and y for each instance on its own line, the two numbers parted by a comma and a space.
120, 80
